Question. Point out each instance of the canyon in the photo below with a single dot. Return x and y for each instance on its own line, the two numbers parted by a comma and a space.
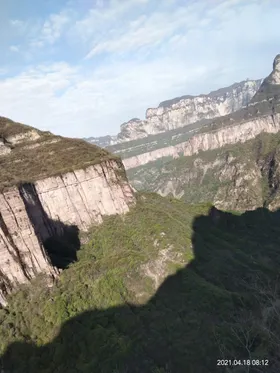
53, 188
172, 163
236, 177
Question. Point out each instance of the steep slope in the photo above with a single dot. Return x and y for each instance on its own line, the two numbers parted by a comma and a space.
115, 310
221, 133
243, 176
270, 87
183, 111
51, 187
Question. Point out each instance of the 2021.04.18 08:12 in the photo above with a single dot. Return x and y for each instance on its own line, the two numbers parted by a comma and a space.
244, 362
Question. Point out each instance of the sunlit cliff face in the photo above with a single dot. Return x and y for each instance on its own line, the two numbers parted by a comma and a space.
275, 76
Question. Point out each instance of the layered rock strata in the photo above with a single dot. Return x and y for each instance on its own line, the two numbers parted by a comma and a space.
241, 132
49, 185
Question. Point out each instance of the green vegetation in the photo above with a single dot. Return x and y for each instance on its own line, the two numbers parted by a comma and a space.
158, 141
46, 156
143, 177
105, 315
244, 174
268, 105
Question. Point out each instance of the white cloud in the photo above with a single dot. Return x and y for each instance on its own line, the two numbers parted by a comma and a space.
25, 29
137, 54
18, 24
127, 35
61, 98
53, 27
39, 33
14, 48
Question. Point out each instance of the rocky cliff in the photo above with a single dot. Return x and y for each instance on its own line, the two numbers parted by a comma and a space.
214, 139
183, 111
51, 187
243, 176
270, 87
232, 161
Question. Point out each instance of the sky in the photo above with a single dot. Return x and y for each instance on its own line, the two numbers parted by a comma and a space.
80, 68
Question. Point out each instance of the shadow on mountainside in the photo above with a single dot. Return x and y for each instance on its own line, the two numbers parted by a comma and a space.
223, 305
60, 241
62, 247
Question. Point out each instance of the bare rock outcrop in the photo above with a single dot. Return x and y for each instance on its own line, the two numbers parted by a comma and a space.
22, 255
49, 186
241, 132
260, 115
270, 87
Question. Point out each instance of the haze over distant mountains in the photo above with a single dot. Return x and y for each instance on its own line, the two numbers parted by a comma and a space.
181, 111
160, 152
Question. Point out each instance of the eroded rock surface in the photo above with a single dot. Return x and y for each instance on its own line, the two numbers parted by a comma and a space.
240, 132
50, 186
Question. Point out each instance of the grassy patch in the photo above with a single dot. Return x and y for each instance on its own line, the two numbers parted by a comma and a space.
48, 159
11, 128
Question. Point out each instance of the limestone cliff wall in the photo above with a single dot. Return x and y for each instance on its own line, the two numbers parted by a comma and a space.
82, 197
192, 109
183, 111
22, 255
33, 212
240, 132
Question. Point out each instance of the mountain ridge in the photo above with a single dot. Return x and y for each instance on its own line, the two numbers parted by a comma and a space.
183, 171
161, 119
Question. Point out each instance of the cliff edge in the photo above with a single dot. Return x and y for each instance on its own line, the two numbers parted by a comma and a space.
50, 187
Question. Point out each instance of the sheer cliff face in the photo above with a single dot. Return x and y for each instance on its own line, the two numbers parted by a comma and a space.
270, 87
48, 185
260, 115
240, 177
235, 167
183, 111
22, 255
241, 132
198, 172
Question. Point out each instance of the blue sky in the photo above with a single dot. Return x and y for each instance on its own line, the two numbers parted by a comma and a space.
82, 67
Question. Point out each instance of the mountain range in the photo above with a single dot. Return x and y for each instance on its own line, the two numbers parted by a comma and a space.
182, 111
168, 162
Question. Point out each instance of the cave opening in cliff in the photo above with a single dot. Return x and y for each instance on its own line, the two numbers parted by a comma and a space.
60, 241
62, 247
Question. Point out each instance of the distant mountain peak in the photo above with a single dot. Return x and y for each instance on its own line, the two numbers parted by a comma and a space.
270, 87
275, 75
